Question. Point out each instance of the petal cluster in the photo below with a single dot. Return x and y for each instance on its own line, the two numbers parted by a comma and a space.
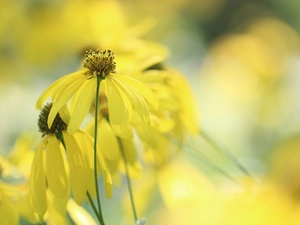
124, 94
58, 170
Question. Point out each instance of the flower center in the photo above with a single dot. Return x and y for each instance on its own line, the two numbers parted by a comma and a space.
100, 63
57, 126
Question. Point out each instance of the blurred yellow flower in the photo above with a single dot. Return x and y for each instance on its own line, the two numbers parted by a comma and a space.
259, 203
187, 195
8, 212
176, 119
14, 173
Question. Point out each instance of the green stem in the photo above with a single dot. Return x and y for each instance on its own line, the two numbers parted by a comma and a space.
93, 205
95, 151
128, 181
60, 137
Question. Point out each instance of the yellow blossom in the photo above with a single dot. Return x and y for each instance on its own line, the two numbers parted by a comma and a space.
109, 143
123, 93
176, 118
51, 163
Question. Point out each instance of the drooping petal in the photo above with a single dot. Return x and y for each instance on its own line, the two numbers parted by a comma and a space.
55, 168
101, 164
129, 150
85, 141
135, 98
189, 113
37, 191
119, 106
107, 141
65, 114
78, 168
146, 92
57, 209
134, 167
83, 105
134, 170
48, 92
106, 175
63, 98
69, 81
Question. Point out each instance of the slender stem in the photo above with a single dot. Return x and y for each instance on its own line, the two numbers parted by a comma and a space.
226, 152
128, 181
95, 151
93, 205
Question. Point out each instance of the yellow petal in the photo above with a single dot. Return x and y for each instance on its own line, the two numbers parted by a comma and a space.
85, 141
146, 92
134, 167
107, 141
8, 211
101, 163
37, 191
57, 209
78, 168
134, 171
83, 105
127, 134
63, 98
69, 81
55, 168
129, 150
65, 114
119, 106
189, 114
79, 215
47, 93
106, 175
135, 98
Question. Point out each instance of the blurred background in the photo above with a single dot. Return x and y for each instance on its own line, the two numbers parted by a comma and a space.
241, 59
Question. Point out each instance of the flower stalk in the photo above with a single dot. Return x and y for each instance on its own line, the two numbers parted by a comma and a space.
128, 181
99, 213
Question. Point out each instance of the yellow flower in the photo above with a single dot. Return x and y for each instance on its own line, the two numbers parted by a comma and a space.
8, 212
110, 143
50, 164
14, 172
176, 119
123, 93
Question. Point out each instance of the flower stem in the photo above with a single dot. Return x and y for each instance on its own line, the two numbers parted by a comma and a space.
128, 181
100, 218
93, 205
